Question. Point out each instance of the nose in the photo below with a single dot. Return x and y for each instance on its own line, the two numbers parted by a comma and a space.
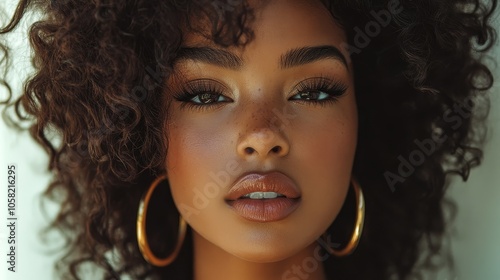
263, 139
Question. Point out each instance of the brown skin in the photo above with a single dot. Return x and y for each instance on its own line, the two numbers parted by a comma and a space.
113, 171
317, 145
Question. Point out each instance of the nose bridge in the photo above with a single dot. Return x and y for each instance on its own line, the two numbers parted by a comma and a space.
262, 132
261, 117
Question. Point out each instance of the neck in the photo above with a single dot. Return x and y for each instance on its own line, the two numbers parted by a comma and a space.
213, 263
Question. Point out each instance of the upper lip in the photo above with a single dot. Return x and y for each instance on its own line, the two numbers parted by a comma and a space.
263, 182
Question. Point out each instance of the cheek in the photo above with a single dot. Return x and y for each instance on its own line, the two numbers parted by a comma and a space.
197, 152
331, 149
325, 151
330, 157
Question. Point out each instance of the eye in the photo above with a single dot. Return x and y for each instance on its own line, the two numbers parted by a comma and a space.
208, 98
319, 90
311, 95
202, 94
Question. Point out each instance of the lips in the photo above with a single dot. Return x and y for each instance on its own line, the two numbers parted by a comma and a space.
264, 197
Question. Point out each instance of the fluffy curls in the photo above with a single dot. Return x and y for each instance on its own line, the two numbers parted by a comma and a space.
100, 67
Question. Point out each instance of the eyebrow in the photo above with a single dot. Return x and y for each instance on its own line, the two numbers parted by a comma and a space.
304, 55
292, 58
210, 55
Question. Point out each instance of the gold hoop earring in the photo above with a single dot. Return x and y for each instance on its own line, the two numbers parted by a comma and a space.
142, 239
358, 228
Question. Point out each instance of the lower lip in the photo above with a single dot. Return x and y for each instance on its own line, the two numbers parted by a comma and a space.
264, 210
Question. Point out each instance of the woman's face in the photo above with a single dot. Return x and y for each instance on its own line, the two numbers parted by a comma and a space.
275, 112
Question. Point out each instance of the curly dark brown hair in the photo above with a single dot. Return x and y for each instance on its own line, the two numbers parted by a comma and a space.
100, 67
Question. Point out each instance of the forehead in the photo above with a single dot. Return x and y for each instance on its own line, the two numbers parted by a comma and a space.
280, 25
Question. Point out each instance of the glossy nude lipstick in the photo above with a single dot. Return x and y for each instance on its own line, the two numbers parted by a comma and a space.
263, 197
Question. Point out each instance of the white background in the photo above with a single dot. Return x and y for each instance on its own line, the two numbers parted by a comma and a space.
475, 243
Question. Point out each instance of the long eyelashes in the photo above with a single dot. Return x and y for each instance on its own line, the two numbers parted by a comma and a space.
198, 88
312, 89
206, 94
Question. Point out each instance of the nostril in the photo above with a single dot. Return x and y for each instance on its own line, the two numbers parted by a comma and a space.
249, 150
276, 149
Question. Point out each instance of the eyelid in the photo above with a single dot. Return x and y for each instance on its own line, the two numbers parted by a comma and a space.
187, 90
321, 81
206, 84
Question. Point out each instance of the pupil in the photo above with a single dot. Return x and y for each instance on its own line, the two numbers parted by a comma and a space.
206, 97
309, 95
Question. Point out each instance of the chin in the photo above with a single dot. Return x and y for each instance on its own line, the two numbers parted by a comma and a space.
263, 253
